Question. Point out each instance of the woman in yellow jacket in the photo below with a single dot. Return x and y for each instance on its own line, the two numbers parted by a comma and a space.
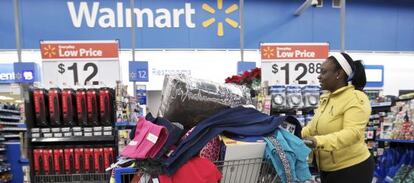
336, 132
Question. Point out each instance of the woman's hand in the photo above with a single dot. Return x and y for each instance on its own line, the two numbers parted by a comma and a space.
310, 142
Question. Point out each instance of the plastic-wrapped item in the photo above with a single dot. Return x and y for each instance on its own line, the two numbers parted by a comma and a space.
294, 96
188, 101
278, 93
311, 96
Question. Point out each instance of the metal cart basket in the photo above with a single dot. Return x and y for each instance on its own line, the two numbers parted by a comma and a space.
255, 170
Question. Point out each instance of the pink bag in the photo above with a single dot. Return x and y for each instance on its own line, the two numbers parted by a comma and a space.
149, 139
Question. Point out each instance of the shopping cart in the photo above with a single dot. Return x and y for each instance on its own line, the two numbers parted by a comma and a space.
255, 170
74, 178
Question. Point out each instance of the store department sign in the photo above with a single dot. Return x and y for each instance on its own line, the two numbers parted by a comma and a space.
7, 73
80, 63
22, 72
160, 23
288, 63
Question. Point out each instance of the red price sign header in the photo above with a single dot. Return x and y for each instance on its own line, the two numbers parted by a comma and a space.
79, 50
294, 51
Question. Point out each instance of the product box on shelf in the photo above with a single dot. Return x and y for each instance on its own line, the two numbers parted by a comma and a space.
79, 160
69, 160
81, 107
58, 158
98, 154
38, 161
41, 107
48, 166
69, 107
55, 100
92, 104
106, 108
108, 156
89, 160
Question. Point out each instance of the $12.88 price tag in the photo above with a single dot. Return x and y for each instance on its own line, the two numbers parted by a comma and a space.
301, 72
288, 63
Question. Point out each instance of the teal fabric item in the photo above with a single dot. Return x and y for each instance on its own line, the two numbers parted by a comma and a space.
296, 152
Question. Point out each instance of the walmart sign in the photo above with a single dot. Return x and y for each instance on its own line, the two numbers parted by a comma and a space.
158, 23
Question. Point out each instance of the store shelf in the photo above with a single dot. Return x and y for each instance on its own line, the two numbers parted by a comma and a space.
381, 104
13, 129
11, 136
396, 141
9, 111
3, 117
12, 123
74, 139
125, 124
6, 169
2, 149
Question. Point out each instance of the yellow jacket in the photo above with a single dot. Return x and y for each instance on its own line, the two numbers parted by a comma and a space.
339, 127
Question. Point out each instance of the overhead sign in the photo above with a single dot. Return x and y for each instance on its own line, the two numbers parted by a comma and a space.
80, 63
26, 72
19, 72
286, 63
7, 73
138, 71
245, 66
375, 75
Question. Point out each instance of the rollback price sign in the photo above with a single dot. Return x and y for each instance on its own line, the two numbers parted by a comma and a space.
286, 63
80, 63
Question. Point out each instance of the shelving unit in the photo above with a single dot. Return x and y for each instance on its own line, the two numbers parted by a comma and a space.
11, 128
396, 141
74, 139
54, 141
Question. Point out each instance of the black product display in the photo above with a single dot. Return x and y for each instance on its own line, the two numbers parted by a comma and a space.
106, 108
82, 108
69, 107
55, 99
92, 104
41, 107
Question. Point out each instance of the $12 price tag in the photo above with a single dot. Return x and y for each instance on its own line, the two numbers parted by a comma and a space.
80, 63
286, 63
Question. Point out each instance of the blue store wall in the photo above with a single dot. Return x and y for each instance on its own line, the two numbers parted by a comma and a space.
378, 25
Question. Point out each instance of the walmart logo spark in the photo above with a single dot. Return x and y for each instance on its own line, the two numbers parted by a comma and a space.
210, 21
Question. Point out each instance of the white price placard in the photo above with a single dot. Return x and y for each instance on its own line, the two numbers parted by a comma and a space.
80, 63
286, 72
285, 63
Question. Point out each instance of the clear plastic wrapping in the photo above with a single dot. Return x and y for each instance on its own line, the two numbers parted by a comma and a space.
188, 100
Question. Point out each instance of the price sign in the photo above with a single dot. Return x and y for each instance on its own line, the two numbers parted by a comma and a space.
80, 63
138, 71
285, 63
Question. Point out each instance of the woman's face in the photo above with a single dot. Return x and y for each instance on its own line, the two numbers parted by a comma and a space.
328, 76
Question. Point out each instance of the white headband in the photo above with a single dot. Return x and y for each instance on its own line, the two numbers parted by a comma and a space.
344, 64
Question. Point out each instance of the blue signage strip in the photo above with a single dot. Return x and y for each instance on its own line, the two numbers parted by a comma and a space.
375, 75
138, 71
245, 66
7, 73
23, 72
26, 72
